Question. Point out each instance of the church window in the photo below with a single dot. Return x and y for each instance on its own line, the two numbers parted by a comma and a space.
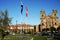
42, 15
55, 24
54, 14
42, 24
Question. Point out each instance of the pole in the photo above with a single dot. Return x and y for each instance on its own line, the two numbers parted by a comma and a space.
21, 25
16, 26
21, 15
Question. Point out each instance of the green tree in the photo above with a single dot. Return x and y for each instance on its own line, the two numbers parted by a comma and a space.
44, 29
58, 28
1, 21
52, 28
47, 29
4, 22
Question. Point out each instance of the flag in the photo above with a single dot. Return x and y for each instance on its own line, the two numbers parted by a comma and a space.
21, 7
26, 11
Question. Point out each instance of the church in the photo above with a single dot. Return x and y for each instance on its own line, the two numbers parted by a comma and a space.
51, 20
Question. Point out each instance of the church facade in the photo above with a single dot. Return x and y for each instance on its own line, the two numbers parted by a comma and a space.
50, 20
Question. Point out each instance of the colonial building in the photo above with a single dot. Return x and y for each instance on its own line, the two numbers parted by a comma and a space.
25, 28
50, 20
22, 27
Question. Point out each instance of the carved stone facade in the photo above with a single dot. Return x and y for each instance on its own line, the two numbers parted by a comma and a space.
50, 20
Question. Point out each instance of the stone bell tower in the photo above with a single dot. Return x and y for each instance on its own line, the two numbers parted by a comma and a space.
55, 14
42, 19
55, 18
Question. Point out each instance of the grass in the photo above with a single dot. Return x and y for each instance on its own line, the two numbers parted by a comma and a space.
39, 38
24, 37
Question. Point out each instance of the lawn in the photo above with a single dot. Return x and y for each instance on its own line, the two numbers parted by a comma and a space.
39, 38
24, 37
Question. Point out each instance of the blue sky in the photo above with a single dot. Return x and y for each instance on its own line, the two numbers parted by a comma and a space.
34, 7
